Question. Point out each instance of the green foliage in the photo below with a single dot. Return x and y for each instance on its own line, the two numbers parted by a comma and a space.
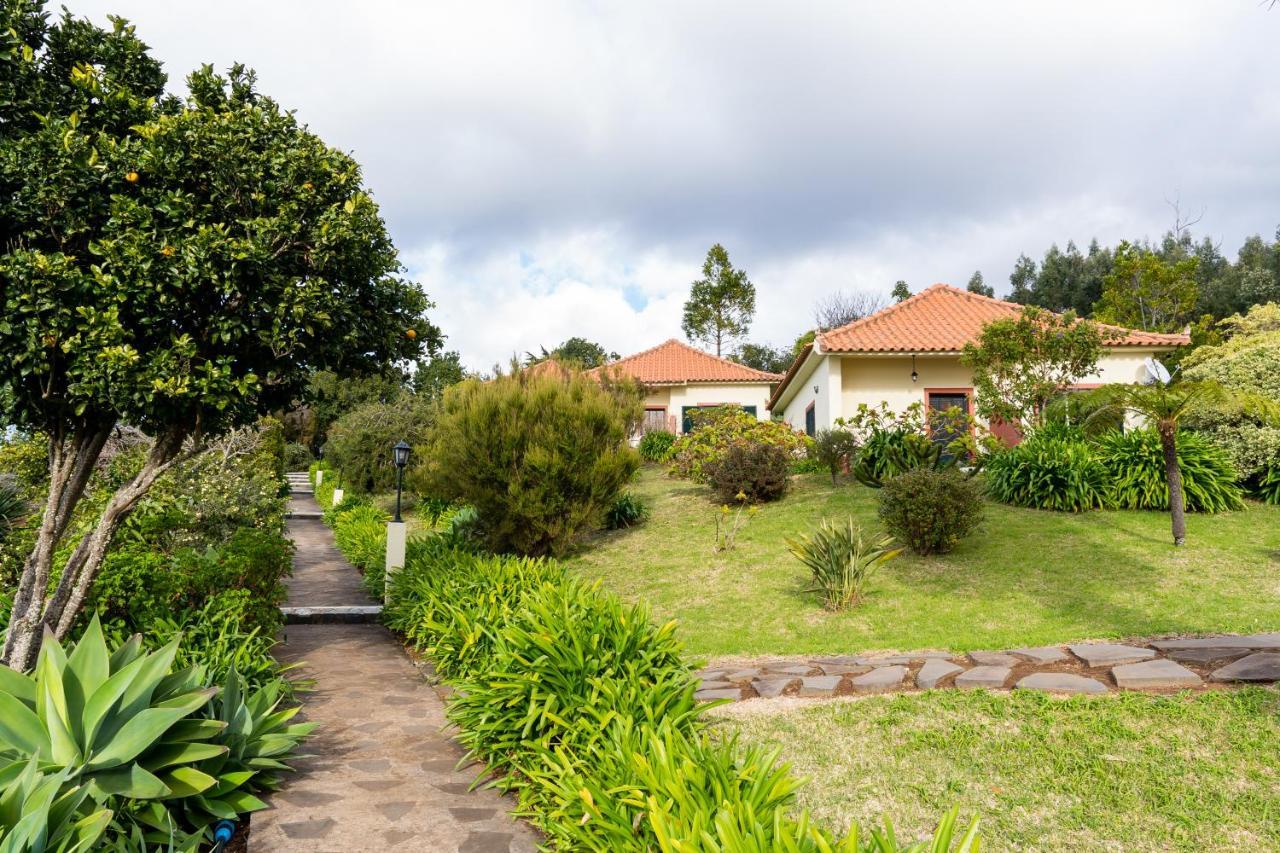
540, 458
1054, 468
585, 709
1147, 291
901, 291
1021, 364
721, 304
360, 441
12, 507
755, 472
297, 457
627, 511
578, 353
330, 396
841, 559
891, 443
44, 813
1136, 466
360, 532
930, 510
1268, 489
763, 357
655, 446
979, 286
833, 449
716, 430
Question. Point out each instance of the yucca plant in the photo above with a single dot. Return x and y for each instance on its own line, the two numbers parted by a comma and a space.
841, 560
627, 511
115, 721
47, 812
12, 507
1136, 466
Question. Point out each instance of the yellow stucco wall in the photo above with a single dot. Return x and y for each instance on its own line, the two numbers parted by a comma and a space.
675, 397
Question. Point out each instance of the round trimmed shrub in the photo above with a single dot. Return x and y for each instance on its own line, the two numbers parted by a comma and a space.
1052, 469
930, 511
1135, 465
760, 472
656, 446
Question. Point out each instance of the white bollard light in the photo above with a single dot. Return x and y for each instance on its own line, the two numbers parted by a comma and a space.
337, 497
396, 537
319, 477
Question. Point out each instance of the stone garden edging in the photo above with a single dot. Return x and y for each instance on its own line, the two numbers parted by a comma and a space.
1159, 665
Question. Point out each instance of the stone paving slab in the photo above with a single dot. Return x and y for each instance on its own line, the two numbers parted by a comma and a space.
934, 671
1060, 682
879, 679
1158, 674
991, 677
1260, 666
1109, 654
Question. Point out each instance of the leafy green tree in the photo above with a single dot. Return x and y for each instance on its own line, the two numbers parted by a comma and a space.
721, 304
978, 286
179, 265
1166, 407
329, 396
901, 291
433, 375
1020, 364
803, 341
1023, 281
360, 441
579, 352
1144, 291
764, 357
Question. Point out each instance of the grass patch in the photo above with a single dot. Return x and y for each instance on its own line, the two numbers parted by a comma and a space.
1127, 771
1026, 577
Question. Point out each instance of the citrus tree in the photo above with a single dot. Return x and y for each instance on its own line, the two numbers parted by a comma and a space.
178, 264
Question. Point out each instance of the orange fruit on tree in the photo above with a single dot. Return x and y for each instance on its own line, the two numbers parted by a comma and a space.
131, 177
410, 334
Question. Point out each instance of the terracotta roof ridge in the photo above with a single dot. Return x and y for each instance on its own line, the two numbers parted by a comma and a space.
760, 374
883, 312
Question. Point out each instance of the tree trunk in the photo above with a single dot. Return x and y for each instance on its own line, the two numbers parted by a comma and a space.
59, 610
1173, 476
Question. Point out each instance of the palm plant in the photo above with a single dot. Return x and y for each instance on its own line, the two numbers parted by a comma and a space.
1165, 407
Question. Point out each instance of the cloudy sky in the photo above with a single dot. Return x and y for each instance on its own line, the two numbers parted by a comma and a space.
551, 169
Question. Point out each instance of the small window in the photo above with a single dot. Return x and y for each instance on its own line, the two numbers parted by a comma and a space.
810, 421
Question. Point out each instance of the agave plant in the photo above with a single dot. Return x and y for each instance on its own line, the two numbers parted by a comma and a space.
46, 813
841, 559
116, 722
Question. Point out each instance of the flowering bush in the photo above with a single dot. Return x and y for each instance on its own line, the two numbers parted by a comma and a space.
716, 430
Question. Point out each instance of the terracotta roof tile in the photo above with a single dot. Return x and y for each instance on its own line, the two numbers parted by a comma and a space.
674, 362
943, 319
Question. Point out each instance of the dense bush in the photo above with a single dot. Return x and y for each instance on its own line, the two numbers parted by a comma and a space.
540, 458
1054, 469
627, 511
360, 441
1269, 484
840, 559
585, 710
360, 532
655, 446
891, 443
833, 449
716, 430
1135, 464
297, 457
930, 511
760, 472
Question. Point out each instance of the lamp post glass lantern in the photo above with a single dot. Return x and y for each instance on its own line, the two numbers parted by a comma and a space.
400, 456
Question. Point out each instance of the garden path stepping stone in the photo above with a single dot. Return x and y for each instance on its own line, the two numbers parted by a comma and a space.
843, 669
773, 687
742, 675
1109, 654
1259, 666
1248, 641
993, 659
991, 677
1206, 655
1061, 682
819, 685
716, 685
720, 693
839, 660
880, 679
934, 671
1041, 654
1154, 674
792, 669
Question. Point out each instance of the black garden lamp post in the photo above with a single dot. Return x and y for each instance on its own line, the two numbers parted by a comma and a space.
400, 456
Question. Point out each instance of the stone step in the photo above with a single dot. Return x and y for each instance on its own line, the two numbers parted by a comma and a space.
305, 514
352, 614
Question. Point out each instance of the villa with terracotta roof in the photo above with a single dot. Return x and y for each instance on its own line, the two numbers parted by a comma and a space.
910, 352
680, 379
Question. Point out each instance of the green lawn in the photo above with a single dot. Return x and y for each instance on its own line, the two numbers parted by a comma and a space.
1025, 578
1121, 772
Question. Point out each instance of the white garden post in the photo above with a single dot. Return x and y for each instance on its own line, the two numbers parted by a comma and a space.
337, 497
319, 477
396, 533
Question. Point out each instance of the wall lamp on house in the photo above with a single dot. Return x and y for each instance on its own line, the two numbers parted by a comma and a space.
915, 377
815, 389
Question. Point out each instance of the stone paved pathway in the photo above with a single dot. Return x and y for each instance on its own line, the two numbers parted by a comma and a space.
381, 775
1153, 665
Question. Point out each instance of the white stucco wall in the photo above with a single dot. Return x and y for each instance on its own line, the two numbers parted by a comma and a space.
874, 379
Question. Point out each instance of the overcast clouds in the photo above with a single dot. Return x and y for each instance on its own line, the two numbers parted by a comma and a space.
552, 169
